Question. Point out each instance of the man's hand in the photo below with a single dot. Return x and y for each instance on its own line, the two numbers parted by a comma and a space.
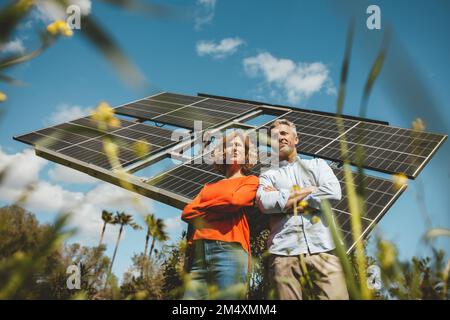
297, 196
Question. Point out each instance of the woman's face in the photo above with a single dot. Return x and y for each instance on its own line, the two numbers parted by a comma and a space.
235, 151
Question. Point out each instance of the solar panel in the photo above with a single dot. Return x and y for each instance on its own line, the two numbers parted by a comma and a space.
386, 149
176, 98
147, 109
183, 110
188, 179
185, 117
81, 140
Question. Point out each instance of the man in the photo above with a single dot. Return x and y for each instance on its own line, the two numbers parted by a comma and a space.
299, 244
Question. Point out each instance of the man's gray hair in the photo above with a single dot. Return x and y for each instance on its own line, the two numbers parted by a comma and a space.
280, 122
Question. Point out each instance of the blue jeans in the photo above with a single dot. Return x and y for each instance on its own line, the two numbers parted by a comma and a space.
218, 271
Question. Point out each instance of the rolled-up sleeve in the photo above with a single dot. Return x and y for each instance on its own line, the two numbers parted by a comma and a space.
328, 186
270, 201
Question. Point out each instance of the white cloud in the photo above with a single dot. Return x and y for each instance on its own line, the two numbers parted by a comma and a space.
298, 81
21, 168
49, 10
225, 47
47, 197
65, 174
13, 46
24, 168
64, 113
205, 13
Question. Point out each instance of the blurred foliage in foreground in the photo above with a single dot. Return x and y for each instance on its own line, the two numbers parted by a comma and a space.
34, 262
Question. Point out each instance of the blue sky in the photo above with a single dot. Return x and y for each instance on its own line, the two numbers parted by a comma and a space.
185, 55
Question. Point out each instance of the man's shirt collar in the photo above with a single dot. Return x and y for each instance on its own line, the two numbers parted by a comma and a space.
285, 163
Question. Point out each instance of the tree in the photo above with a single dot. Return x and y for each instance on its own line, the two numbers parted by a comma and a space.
122, 219
147, 285
107, 218
174, 269
20, 231
34, 261
156, 230
30, 256
93, 266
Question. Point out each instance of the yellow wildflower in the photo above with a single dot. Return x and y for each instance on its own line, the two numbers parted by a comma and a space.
3, 96
141, 148
59, 27
103, 112
303, 203
110, 149
315, 219
103, 115
418, 125
114, 123
400, 180
19, 256
141, 295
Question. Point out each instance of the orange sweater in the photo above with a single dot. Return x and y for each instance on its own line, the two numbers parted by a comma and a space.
218, 211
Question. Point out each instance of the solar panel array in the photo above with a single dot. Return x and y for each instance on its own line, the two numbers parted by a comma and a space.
386, 149
188, 179
182, 111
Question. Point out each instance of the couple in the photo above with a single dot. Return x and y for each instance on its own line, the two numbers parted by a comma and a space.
219, 235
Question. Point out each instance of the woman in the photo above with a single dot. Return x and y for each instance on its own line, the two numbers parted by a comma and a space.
219, 237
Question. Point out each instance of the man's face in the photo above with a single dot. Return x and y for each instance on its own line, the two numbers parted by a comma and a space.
284, 136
